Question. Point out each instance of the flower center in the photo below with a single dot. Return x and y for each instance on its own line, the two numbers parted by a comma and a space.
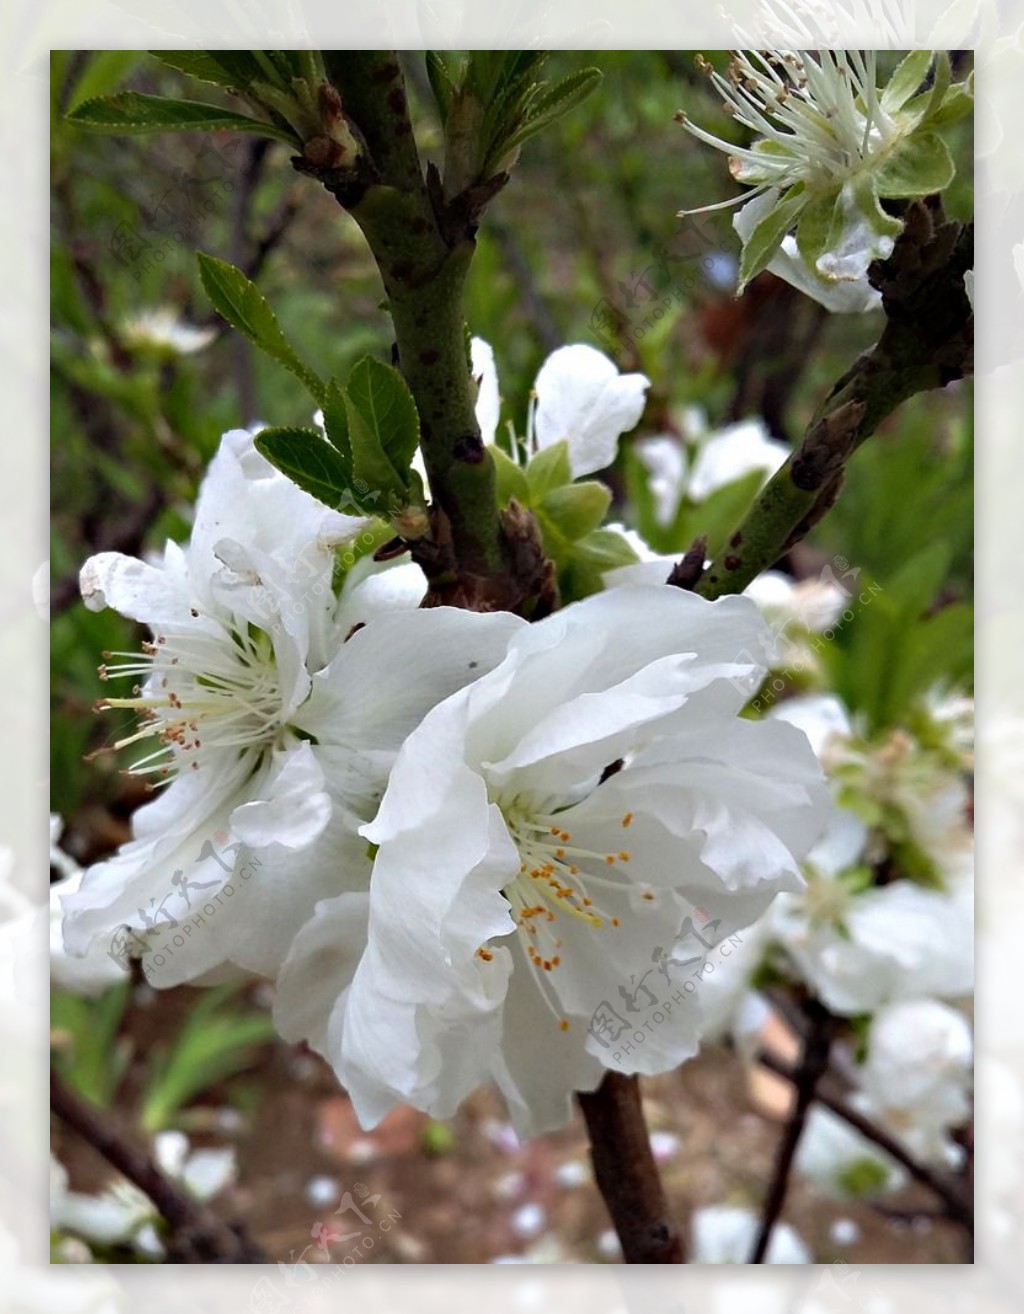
202, 692
558, 881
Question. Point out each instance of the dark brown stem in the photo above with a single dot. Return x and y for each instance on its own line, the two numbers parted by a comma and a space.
958, 1206
805, 1078
626, 1173
199, 1236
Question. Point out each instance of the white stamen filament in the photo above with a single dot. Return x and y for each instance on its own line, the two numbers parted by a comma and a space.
201, 691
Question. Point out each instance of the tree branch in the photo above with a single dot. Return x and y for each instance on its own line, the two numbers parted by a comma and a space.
626, 1174
928, 341
958, 1206
812, 1067
423, 246
199, 1236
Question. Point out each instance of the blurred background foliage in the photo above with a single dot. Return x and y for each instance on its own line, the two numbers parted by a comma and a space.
583, 238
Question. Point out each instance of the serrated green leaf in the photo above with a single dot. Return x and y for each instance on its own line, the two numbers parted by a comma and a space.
577, 509
135, 112
105, 70
383, 426
309, 460
217, 67
909, 75
819, 225
552, 105
549, 469
765, 240
336, 424
919, 166
244, 306
441, 83
511, 479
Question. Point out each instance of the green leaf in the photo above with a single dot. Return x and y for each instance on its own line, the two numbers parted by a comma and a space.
909, 75
441, 83
819, 225
310, 461
134, 112
214, 1044
766, 238
919, 166
915, 584
383, 425
718, 515
511, 479
553, 104
866, 200
233, 69
549, 469
105, 70
244, 306
958, 101
336, 423
583, 568
577, 509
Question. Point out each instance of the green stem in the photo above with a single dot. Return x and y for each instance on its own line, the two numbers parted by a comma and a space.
423, 258
927, 342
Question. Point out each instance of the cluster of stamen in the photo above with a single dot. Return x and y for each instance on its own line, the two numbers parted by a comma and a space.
557, 878
199, 690
822, 108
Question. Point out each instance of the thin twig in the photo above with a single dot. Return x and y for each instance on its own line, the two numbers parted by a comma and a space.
805, 1078
626, 1173
959, 1206
199, 1236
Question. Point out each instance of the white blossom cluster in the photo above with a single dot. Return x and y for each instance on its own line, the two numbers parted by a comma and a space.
454, 841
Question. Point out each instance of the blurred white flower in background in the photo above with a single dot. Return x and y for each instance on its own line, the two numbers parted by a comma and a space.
725, 1234
720, 457
123, 1215
916, 1078
841, 1162
30, 1289
162, 330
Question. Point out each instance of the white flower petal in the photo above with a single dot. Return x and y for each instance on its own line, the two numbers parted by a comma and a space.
294, 807
488, 402
582, 397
